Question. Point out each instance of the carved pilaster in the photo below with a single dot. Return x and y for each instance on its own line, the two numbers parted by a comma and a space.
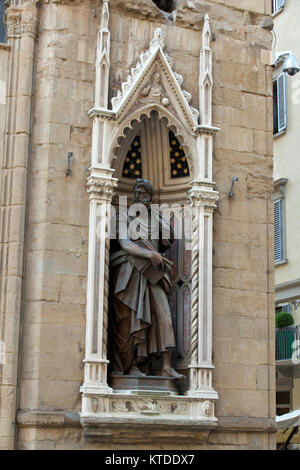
203, 198
100, 187
21, 28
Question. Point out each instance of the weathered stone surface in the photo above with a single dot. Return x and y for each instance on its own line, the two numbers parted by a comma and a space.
241, 403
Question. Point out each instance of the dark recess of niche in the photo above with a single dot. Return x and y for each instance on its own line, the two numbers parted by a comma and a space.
165, 5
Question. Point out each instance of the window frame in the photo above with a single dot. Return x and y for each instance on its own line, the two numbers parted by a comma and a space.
284, 388
277, 6
280, 102
284, 307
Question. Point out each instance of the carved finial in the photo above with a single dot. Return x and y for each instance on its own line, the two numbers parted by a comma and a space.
105, 15
206, 34
158, 40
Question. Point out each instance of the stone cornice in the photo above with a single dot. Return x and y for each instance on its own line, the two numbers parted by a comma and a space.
280, 182
208, 130
103, 113
287, 285
245, 424
42, 419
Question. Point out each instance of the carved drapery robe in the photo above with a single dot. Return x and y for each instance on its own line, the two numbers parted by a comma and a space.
141, 317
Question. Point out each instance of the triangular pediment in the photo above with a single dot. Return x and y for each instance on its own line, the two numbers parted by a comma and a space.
154, 82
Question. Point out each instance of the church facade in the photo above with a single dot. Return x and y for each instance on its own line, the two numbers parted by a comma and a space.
94, 96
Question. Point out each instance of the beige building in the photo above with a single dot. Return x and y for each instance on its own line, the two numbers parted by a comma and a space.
287, 178
82, 82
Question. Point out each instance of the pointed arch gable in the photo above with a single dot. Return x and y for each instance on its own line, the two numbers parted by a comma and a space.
155, 60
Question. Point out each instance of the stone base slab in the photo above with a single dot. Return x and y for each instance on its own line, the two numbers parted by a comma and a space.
144, 383
145, 407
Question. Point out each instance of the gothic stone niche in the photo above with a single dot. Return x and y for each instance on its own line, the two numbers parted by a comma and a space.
154, 147
150, 105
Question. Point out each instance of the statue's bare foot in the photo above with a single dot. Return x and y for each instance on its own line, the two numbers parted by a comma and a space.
136, 371
171, 373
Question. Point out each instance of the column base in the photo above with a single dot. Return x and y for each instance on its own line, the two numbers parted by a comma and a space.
97, 389
204, 393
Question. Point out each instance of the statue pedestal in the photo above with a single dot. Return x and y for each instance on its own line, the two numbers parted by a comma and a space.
144, 383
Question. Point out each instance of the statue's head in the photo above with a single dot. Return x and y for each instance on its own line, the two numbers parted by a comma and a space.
156, 77
143, 191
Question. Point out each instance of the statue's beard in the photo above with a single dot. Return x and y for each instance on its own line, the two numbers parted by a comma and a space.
145, 201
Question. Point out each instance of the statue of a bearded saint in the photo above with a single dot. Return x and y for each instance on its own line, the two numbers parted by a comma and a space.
141, 317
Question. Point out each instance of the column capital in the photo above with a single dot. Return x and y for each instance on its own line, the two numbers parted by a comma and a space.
100, 183
21, 20
202, 193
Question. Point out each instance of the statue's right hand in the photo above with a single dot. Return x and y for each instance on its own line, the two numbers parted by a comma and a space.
157, 260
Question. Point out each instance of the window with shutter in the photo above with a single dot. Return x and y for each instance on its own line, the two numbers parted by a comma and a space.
281, 101
283, 308
286, 308
278, 230
279, 104
279, 195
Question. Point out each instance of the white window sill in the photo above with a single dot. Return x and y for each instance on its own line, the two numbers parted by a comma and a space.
282, 261
275, 136
277, 12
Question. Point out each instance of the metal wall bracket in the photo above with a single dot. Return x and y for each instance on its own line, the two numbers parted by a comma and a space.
68, 170
234, 179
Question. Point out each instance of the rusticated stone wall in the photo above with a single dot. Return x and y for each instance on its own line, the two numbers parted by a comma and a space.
49, 371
